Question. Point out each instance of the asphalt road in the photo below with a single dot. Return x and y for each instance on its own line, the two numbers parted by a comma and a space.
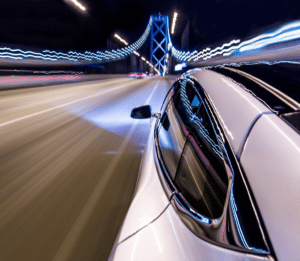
69, 159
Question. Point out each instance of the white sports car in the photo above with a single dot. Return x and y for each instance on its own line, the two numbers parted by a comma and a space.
220, 176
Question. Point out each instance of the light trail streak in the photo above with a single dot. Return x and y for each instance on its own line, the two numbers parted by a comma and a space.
59, 106
78, 4
72, 56
174, 22
285, 33
206, 53
40, 78
121, 39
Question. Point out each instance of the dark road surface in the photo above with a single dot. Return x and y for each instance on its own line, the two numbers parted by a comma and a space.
69, 159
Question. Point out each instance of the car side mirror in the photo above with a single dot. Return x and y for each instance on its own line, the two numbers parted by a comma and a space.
141, 112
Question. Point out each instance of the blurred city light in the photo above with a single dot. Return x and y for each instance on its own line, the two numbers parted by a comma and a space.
78, 4
218, 50
121, 39
135, 52
174, 22
71, 56
50, 56
286, 33
180, 66
47, 78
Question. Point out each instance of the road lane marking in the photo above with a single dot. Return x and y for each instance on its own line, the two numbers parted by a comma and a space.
148, 100
59, 106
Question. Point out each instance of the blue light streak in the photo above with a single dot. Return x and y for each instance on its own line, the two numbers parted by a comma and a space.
204, 132
193, 118
285, 33
217, 51
244, 63
72, 56
205, 54
238, 225
235, 209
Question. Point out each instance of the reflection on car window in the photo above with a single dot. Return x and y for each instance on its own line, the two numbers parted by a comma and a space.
171, 137
174, 126
201, 177
203, 128
195, 102
170, 95
187, 102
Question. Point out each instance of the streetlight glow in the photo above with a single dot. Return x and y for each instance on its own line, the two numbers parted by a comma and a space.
135, 52
78, 4
120, 39
174, 22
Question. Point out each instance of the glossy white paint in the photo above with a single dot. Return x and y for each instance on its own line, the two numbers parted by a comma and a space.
271, 162
237, 108
167, 238
149, 200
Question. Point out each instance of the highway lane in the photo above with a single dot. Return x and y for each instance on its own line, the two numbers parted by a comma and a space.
69, 159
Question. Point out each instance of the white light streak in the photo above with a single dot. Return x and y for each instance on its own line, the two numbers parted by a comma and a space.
220, 50
78, 4
121, 39
285, 33
156, 237
174, 22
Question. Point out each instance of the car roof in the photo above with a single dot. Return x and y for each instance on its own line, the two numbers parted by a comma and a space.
236, 108
284, 76
276, 85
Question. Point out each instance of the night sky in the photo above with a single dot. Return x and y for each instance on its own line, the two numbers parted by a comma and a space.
58, 25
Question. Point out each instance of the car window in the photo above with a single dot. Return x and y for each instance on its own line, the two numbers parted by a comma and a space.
175, 124
187, 103
170, 95
201, 177
208, 188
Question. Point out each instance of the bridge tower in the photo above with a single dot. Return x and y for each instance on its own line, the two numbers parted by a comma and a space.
159, 41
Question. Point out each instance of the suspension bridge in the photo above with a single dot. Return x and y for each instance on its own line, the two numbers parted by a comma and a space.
162, 50
69, 151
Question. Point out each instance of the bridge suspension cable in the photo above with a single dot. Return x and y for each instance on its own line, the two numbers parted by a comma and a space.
72, 56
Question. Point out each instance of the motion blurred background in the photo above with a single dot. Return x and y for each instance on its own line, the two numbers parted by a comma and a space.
60, 25
69, 152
